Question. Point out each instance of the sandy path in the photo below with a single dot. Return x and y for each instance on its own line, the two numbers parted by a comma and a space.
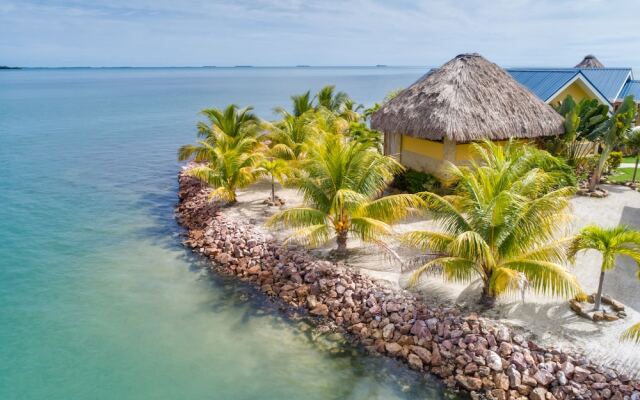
549, 320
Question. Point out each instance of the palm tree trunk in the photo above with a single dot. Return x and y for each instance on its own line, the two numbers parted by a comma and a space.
599, 294
487, 299
273, 190
597, 173
635, 169
341, 239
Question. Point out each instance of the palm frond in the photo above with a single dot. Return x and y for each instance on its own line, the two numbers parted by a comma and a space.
456, 269
632, 334
545, 277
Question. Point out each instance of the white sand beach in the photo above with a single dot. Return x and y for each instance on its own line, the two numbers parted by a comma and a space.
548, 320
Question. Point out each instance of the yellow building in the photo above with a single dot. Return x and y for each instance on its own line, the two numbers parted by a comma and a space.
468, 99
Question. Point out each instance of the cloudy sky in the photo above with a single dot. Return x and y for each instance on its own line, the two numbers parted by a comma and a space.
329, 32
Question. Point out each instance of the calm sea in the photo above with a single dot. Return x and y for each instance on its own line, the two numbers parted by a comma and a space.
97, 298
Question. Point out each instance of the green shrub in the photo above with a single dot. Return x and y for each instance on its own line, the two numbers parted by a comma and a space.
614, 160
413, 181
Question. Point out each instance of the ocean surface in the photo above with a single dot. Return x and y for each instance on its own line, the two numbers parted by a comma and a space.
98, 300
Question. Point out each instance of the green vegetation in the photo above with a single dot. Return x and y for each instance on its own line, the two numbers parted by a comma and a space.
614, 160
341, 190
413, 181
499, 223
588, 123
621, 175
615, 129
610, 242
229, 153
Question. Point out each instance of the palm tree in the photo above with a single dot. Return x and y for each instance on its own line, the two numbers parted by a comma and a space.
226, 127
499, 224
302, 103
361, 133
341, 189
610, 242
616, 127
331, 100
350, 111
291, 137
277, 170
227, 169
633, 142
232, 121
228, 152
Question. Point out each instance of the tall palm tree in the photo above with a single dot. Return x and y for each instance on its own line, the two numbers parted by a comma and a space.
610, 242
341, 189
332, 100
616, 128
500, 224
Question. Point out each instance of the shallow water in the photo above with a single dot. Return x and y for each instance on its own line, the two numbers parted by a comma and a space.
97, 298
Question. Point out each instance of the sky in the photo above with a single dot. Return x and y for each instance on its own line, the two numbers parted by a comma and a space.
324, 33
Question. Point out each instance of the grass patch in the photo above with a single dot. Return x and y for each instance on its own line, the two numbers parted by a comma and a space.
629, 160
623, 175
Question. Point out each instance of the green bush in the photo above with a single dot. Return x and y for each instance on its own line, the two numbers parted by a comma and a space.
614, 160
413, 181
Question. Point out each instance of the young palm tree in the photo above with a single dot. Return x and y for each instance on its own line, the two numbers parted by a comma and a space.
232, 121
500, 223
610, 242
278, 170
227, 169
291, 137
331, 100
226, 127
341, 189
228, 153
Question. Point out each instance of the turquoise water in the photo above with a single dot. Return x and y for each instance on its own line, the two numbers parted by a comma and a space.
97, 298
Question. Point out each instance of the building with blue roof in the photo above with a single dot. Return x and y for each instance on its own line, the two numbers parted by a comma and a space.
589, 79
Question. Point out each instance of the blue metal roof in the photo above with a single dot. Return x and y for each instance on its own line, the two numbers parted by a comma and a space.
544, 82
609, 81
631, 88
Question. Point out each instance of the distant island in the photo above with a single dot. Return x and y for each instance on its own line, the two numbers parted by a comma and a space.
6, 67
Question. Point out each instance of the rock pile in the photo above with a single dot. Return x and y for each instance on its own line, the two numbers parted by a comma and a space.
467, 351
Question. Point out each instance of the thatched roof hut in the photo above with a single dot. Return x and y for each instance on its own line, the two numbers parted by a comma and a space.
590, 61
467, 99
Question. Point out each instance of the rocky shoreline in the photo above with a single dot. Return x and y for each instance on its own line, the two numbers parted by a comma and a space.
468, 352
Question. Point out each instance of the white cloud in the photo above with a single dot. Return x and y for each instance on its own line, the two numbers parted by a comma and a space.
332, 32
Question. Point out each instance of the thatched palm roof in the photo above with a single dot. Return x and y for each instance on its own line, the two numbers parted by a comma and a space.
590, 61
467, 99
